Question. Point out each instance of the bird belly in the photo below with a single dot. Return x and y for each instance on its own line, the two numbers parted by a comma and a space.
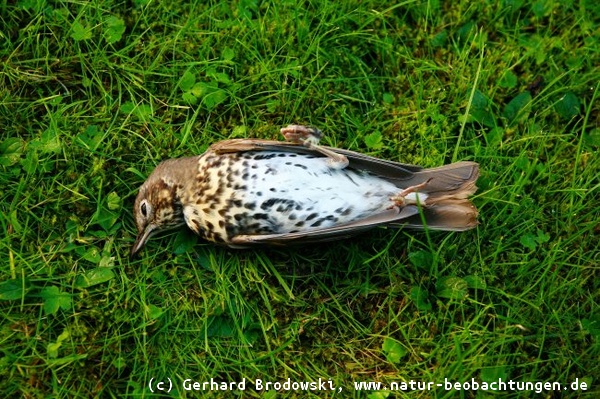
281, 192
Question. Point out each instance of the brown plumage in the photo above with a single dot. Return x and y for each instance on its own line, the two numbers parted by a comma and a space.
248, 192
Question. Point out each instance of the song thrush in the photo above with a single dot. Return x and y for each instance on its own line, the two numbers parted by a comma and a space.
244, 192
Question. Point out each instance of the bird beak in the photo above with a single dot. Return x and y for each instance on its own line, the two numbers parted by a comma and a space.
141, 239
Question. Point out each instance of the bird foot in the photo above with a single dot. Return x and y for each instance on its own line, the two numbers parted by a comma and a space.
310, 137
401, 199
301, 134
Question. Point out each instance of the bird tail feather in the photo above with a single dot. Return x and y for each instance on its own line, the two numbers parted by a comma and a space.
447, 206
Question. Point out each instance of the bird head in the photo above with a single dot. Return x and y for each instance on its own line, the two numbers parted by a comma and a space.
158, 204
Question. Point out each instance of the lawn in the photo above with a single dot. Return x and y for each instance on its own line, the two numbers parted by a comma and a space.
93, 95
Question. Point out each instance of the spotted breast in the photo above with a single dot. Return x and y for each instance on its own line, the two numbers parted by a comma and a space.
278, 192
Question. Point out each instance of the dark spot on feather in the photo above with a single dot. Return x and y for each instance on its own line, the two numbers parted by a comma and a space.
285, 204
320, 221
230, 230
268, 203
264, 156
311, 216
240, 216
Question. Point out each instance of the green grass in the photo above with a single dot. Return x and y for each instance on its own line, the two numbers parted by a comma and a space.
94, 95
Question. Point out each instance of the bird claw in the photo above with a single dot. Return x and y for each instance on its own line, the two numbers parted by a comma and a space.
302, 134
400, 199
310, 137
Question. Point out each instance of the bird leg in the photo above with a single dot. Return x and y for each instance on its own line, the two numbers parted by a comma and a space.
309, 137
301, 134
401, 200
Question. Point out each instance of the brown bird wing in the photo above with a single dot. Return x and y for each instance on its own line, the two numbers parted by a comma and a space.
327, 233
380, 167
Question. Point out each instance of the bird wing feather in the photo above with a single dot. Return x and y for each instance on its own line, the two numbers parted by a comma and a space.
394, 215
380, 167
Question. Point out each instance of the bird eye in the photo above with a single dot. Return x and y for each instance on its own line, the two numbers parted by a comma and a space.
143, 209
